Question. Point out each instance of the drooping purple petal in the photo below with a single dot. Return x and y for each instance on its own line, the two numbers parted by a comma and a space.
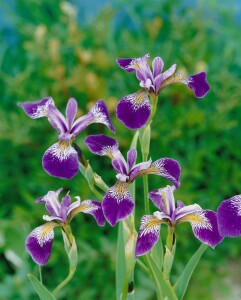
39, 243
148, 234
205, 227
168, 168
71, 111
164, 199
37, 109
93, 208
157, 66
165, 167
198, 83
229, 217
61, 160
126, 64
134, 110
118, 203
131, 157
57, 120
102, 145
132, 64
100, 112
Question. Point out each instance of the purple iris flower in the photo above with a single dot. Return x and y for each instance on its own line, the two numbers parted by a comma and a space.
134, 110
61, 159
40, 240
118, 203
203, 222
229, 217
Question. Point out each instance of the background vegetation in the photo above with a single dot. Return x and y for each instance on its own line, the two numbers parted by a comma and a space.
68, 49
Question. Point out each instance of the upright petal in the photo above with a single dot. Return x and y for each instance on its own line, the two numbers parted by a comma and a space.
37, 109
57, 120
165, 167
148, 234
102, 145
39, 243
71, 111
119, 163
93, 208
131, 157
157, 66
61, 160
198, 83
118, 203
52, 203
164, 199
134, 110
205, 227
229, 217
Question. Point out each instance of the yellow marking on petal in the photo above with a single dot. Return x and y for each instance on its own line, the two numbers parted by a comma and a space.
63, 145
164, 200
135, 65
149, 224
153, 222
140, 96
151, 170
192, 218
109, 154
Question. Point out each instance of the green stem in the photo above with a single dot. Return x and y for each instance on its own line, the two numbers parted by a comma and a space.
170, 237
40, 274
146, 200
64, 282
154, 100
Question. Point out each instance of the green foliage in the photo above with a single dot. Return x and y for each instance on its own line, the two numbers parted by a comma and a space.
47, 50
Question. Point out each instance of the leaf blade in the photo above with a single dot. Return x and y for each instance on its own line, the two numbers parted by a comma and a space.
41, 290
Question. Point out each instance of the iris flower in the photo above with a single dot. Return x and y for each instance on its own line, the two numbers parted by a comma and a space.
118, 203
61, 159
229, 217
40, 240
203, 222
134, 110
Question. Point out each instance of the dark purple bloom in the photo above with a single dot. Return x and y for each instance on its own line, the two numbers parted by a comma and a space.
203, 222
134, 110
229, 217
118, 203
61, 159
40, 240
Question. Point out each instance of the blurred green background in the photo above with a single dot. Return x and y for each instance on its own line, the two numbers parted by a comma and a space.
68, 49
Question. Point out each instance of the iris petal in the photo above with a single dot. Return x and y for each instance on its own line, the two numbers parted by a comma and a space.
148, 234
229, 217
102, 145
61, 161
198, 83
134, 110
37, 109
39, 243
93, 208
205, 227
118, 203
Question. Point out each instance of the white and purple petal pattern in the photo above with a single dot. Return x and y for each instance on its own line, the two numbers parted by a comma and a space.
118, 203
37, 109
164, 199
101, 115
229, 217
134, 110
61, 160
148, 234
198, 83
205, 227
93, 208
132, 64
165, 167
39, 243
102, 145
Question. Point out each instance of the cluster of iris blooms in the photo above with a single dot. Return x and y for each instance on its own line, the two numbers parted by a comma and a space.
134, 111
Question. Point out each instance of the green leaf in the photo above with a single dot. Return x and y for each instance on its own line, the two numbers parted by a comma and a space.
134, 140
164, 288
182, 282
157, 253
43, 293
120, 263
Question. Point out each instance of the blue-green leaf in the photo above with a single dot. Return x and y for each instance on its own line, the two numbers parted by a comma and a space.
43, 293
182, 282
